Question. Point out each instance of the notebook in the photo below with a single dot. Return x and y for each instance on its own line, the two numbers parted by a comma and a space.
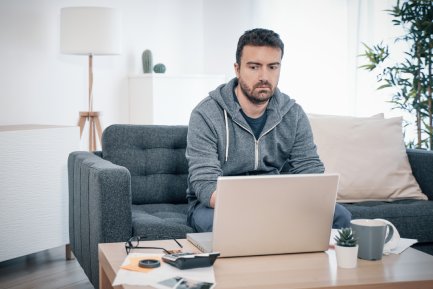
271, 214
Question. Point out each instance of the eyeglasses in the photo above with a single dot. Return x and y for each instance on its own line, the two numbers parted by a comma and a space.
134, 243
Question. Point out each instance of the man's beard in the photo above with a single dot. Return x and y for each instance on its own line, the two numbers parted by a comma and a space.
256, 95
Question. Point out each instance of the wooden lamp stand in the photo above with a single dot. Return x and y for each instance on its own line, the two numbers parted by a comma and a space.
90, 115
94, 127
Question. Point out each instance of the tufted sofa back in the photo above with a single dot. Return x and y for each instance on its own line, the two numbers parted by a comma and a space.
155, 157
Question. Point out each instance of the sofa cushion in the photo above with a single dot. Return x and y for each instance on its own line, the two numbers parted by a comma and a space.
370, 156
412, 218
160, 221
155, 157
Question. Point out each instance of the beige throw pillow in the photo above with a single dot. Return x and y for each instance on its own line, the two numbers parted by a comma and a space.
370, 156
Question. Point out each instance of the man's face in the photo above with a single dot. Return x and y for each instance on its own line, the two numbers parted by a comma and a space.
259, 72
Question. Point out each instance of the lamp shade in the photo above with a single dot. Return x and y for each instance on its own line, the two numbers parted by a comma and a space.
90, 30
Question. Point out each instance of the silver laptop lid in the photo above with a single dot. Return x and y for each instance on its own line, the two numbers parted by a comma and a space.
274, 214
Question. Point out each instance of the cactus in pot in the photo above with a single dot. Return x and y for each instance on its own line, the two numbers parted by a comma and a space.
147, 60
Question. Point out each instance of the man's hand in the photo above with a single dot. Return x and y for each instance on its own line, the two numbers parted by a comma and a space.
212, 200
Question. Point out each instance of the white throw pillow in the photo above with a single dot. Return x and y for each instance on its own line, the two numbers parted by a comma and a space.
370, 156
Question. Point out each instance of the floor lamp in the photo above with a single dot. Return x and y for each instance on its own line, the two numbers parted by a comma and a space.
90, 31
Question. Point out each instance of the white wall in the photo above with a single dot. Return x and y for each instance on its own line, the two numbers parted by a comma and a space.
315, 43
322, 46
224, 22
314, 33
38, 84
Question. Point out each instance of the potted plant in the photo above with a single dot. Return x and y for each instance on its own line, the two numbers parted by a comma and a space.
346, 248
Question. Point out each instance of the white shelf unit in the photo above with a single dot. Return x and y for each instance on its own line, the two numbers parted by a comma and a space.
167, 99
34, 187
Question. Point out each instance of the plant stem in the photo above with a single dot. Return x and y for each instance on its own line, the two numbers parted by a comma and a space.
418, 96
430, 85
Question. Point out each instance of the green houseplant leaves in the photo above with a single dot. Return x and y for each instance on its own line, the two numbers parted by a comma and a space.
412, 77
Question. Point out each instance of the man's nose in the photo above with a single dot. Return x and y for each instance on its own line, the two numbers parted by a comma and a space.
264, 74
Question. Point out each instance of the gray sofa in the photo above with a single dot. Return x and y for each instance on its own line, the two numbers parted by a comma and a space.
137, 186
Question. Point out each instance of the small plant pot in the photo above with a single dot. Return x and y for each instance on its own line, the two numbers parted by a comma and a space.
347, 257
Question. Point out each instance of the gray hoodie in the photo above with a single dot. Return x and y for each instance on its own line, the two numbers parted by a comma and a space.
221, 143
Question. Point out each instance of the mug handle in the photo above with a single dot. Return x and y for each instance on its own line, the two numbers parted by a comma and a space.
390, 233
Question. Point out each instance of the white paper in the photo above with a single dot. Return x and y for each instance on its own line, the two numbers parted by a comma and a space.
403, 243
165, 271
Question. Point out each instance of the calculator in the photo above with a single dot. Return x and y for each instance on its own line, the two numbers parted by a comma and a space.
188, 260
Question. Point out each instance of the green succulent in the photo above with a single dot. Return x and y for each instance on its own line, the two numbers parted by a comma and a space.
346, 238
159, 68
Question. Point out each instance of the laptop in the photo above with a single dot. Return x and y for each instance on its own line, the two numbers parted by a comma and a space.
271, 214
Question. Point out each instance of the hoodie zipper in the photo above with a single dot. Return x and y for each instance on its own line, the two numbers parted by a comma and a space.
256, 154
256, 165
256, 142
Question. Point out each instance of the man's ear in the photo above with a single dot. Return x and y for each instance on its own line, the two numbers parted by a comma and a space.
237, 68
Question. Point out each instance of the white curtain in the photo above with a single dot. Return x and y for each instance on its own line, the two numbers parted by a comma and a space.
374, 25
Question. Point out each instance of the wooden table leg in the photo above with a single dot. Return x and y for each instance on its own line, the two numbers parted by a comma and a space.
104, 281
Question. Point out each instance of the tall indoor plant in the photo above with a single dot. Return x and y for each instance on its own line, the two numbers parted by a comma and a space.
411, 78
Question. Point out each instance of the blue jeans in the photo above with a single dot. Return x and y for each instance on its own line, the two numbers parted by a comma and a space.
201, 218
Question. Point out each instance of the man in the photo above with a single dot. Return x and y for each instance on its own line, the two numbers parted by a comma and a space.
248, 127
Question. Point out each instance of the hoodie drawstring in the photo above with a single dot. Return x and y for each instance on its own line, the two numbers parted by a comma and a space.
227, 134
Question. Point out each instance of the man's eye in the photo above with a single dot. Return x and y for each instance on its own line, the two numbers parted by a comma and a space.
273, 67
254, 67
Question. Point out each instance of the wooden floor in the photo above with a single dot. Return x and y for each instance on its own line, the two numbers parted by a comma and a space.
44, 270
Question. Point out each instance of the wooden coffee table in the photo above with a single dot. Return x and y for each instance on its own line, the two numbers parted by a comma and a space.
411, 269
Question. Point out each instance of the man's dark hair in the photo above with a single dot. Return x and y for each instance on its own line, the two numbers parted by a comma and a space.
258, 37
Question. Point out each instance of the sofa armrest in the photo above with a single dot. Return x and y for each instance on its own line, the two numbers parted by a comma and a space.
421, 162
99, 207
